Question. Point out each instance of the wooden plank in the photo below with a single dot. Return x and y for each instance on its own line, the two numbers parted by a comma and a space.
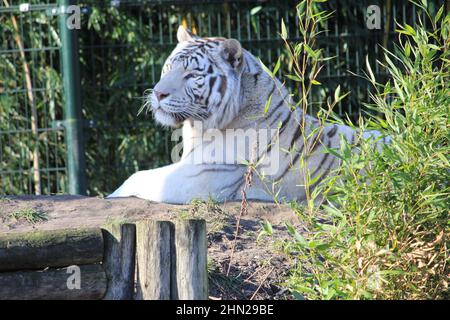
119, 260
86, 283
191, 273
154, 240
59, 248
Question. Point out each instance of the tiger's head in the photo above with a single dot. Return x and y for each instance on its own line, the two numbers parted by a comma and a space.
200, 80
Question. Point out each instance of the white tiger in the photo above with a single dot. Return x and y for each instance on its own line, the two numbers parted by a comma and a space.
218, 83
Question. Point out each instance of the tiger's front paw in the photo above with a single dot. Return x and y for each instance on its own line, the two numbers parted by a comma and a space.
142, 184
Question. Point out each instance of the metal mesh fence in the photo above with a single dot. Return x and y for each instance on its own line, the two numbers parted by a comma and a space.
31, 145
123, 45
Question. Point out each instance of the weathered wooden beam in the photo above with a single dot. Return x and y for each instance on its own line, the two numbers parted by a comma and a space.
191, 273
154, 240
57, 248
119, 260
85, 282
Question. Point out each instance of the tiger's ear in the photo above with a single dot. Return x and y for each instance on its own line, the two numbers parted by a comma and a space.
184, 34
231, 51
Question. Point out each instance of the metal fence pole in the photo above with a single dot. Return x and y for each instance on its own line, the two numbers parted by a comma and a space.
72, 103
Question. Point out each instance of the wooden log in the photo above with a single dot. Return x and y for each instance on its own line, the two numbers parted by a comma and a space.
154, 240
57, 248
119, 260
86, 283
191, 273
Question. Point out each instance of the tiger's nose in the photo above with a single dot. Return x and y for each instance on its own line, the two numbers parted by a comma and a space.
160, 95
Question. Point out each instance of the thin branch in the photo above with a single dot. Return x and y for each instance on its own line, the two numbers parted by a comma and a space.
262, 282
244, 208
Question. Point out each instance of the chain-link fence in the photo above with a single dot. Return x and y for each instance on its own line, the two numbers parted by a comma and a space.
122, 46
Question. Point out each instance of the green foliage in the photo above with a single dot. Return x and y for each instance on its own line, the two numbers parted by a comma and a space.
30, 215
37, 33
382, 229
210, 210
266, 231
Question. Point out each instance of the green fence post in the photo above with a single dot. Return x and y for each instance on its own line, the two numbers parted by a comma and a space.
72, 103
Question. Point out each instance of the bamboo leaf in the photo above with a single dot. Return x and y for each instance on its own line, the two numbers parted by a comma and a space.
337, 93
439, 14
283, 30
369, 69
266, 107
255, 10
267, 70
277, 67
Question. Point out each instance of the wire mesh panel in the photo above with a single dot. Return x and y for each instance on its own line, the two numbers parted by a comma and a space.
123, 45
31, 146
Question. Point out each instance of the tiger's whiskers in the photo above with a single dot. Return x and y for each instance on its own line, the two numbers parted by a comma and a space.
147, 101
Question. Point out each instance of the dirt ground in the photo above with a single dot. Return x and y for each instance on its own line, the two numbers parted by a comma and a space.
257, 267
